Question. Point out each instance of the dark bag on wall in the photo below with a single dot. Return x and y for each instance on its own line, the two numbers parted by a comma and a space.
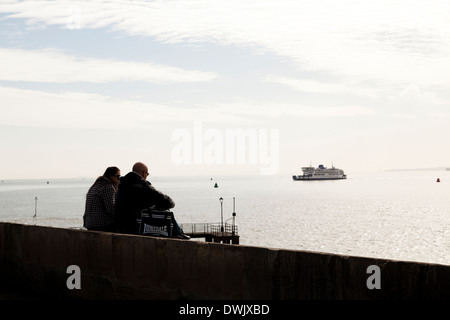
155, 222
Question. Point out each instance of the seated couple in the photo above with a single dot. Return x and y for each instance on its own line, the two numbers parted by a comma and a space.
114, 203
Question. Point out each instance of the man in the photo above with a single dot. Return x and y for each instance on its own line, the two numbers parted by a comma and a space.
134, 194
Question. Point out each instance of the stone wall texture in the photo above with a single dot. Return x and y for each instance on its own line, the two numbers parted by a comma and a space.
115, 266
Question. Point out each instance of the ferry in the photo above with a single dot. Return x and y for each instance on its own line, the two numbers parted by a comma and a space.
320, 173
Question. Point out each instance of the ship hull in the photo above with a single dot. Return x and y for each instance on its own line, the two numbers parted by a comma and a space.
304, 178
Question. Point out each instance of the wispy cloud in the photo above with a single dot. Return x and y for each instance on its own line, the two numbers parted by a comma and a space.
21, 107
83, 110
398, 42
54, 66
270, 110
76, 110
321, 87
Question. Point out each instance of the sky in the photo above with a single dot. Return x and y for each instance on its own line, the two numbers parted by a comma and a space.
205, 87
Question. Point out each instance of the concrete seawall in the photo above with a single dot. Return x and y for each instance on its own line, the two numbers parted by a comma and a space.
35, 259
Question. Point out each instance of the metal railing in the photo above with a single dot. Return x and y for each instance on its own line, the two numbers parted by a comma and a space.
228, 228
208, 228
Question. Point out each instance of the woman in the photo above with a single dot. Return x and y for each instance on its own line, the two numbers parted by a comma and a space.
99, 210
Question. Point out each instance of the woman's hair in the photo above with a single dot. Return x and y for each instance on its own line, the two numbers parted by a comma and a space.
106, 177
110, 172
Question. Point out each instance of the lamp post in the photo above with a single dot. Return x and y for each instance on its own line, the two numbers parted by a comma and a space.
234, 216
221, 214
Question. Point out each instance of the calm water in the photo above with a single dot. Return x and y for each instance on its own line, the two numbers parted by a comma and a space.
394, 215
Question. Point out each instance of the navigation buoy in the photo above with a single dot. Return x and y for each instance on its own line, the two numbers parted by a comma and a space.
438, 180
216, 186
35, 206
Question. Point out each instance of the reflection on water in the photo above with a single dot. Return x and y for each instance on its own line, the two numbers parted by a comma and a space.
396, 215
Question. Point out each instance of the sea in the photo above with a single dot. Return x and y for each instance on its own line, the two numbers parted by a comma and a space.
398, 215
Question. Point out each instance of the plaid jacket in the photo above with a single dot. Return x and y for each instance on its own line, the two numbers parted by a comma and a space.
99, 209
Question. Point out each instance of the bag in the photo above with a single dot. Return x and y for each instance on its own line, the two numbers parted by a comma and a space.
156, 223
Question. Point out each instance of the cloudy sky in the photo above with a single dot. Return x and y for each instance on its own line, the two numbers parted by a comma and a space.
363, 85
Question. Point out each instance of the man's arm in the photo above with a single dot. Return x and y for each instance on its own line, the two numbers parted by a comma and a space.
160, 199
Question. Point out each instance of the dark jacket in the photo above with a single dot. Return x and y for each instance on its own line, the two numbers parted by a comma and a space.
133, 195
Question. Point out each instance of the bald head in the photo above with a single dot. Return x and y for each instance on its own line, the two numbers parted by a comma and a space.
141, 169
